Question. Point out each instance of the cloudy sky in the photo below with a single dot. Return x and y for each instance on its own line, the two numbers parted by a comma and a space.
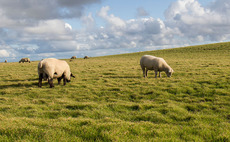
62, 28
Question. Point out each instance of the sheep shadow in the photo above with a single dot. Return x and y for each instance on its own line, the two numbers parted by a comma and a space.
22, 80
16, 83
123, 77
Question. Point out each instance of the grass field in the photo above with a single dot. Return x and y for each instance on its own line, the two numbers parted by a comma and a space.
109, 100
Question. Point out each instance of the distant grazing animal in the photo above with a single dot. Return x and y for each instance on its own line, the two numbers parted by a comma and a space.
73, 57
5, 61
86, 57
24, 60
51, 68
157, 64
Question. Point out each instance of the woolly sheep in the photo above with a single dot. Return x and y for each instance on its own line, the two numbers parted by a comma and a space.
24, 60
157, 64
86, 57
51, 68
73, 57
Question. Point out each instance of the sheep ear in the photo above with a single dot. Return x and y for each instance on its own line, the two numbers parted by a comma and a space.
72, 75
171, 71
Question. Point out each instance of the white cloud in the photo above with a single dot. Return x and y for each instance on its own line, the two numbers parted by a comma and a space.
212, 23
47, 54
48, 27
4, 53
111, 19
88, 22
133, 44
49, 30
43, 10
68, 27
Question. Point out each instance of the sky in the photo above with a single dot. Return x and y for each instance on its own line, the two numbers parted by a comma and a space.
65, 28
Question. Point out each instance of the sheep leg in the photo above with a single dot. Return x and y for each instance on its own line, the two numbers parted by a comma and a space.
155, 74
143, 72
46, 76
143, 69
64, 81
146, 72
59, 80
50, 81
40, 80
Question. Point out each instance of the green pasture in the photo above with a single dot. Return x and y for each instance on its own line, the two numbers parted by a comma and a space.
109, 100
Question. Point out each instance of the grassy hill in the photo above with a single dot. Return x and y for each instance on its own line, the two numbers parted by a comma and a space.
109, 100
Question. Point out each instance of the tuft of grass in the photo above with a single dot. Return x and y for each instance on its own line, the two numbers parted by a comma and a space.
109, 100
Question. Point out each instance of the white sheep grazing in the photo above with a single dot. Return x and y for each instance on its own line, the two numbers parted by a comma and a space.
73, 57
86, 57
157, 64
53, 68
24, 60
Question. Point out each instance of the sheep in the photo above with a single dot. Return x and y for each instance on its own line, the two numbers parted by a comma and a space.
157, 64
51, 68
86, 57
5, 61
24, 60
73, 57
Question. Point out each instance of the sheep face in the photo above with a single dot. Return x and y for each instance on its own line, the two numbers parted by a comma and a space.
68, 79
169, 72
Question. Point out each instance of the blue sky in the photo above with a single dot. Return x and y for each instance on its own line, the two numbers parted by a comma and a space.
61, 29
126, 9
